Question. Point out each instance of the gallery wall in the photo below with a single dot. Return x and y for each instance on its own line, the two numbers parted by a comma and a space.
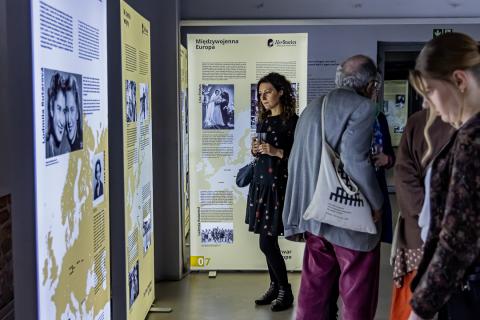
6, 256
331, 42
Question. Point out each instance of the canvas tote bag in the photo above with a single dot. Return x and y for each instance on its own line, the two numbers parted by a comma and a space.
337, 201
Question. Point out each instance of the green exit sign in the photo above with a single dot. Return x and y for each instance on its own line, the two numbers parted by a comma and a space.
439, 32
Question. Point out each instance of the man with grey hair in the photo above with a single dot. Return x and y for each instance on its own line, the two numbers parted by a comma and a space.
336, 258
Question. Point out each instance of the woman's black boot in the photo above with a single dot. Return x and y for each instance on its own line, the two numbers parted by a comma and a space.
268, 296
284, 299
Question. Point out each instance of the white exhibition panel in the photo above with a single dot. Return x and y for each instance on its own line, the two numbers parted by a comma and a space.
71, 158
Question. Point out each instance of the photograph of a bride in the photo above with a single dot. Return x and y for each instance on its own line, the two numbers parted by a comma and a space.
217, 106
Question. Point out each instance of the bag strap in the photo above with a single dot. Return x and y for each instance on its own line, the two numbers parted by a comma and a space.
350, 190
324, 106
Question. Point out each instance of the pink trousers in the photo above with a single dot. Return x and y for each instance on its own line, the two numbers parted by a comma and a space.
326, 265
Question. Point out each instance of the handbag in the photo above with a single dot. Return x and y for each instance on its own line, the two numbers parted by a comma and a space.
337, 201
245, 175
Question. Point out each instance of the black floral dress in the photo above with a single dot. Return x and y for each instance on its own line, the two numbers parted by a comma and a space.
267, 189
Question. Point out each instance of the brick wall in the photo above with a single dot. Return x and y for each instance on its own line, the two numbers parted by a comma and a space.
6, 265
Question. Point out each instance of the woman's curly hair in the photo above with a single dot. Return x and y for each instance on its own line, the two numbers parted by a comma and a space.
288, 101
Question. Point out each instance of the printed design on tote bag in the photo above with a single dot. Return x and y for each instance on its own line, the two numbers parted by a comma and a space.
341, 196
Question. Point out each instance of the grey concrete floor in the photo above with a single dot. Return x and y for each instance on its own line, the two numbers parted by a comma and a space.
230, 295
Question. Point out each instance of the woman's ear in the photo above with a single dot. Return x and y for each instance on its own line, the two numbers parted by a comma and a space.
280, 92
460, 79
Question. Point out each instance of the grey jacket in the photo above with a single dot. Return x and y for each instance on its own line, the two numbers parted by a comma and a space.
349, 122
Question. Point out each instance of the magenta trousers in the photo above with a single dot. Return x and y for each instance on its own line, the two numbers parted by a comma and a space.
358, 282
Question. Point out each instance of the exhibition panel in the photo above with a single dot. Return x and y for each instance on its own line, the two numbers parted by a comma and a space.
137, 162
395, 107
185, 158
223, 70
71, 158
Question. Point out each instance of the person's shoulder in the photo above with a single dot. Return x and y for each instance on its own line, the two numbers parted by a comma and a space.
313, 106
345, 101
418, 118
466, 148
49, 147
348, 96
416, 124
469, 133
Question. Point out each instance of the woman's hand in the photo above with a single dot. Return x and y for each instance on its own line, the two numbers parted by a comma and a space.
255, 146
270, 150
380, 160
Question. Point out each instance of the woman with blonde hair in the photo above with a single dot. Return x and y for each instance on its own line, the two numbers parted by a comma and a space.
447, 75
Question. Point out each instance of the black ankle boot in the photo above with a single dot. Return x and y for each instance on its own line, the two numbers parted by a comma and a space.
284, 299
268, 296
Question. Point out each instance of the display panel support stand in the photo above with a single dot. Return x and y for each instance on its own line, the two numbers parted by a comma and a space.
155, 309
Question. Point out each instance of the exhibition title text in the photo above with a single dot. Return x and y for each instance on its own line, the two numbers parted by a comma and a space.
209, 44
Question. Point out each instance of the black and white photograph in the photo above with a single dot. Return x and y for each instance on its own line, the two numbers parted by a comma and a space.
147, 232
133, 284
144, 102
62, 92
399, 100
216, 232
217, 106
131, 100
98, 178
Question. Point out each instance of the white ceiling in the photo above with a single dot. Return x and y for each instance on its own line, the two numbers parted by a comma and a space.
328, 9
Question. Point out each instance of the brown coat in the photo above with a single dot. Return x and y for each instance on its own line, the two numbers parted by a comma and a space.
452, 245
410, 174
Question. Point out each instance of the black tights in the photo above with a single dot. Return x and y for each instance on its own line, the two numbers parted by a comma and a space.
275, 262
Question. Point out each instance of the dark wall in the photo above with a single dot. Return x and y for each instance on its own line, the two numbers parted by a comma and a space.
166, 137
6, 280
115, 153
4, 125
